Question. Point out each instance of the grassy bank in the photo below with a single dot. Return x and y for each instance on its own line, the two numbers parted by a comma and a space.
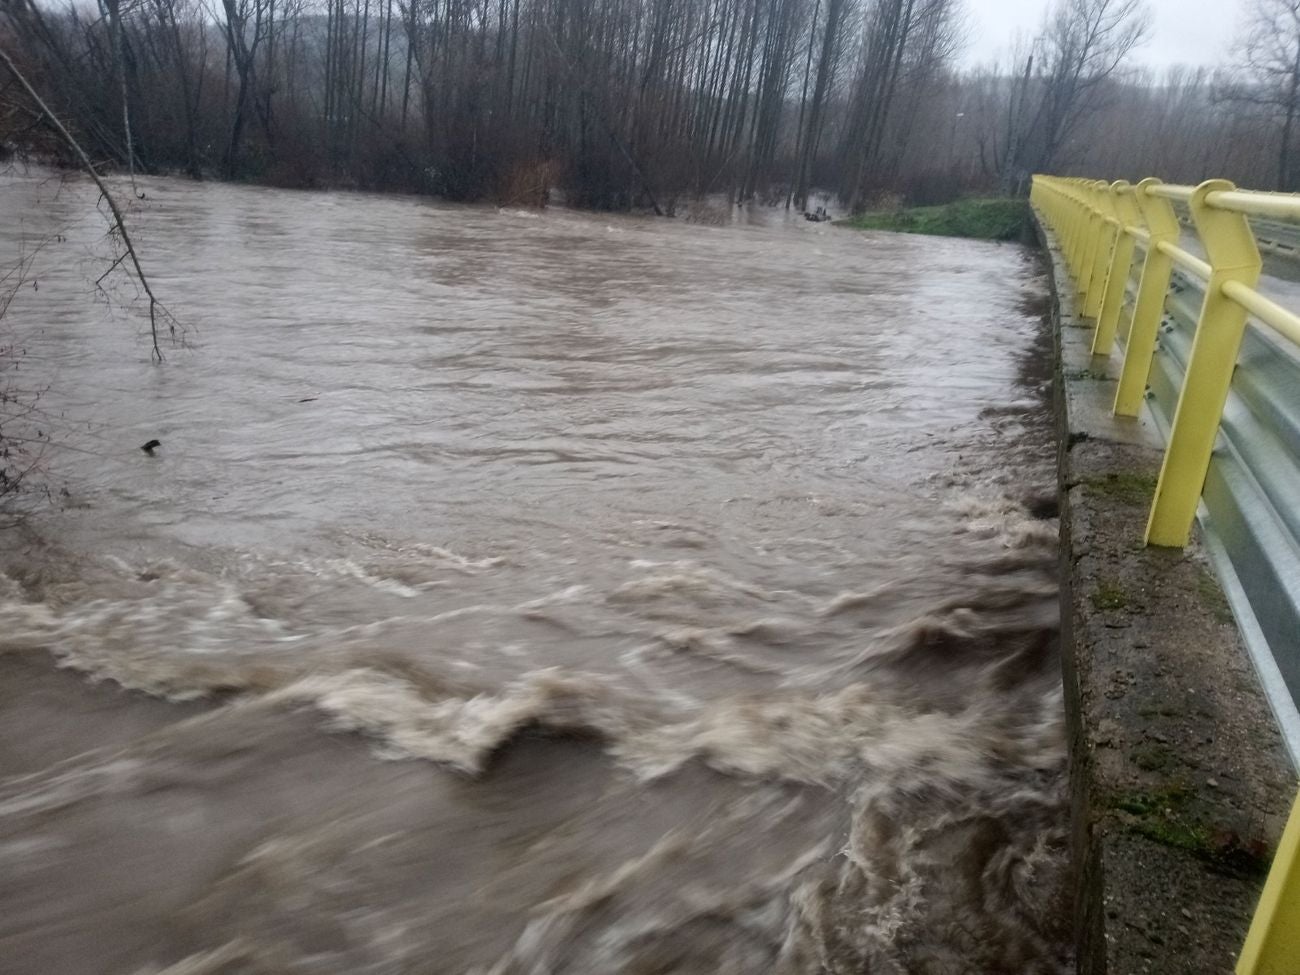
981, 219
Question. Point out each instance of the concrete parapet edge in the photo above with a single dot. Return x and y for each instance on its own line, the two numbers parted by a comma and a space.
1180, 784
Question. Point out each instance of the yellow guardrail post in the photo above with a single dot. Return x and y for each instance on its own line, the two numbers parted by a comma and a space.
1090, 234
1074, 196
1121, 259
1089, 221
1058, 215
1069, 231
1153, 285
1233, 256
1099, 249
1273, 943
1078, 234
1084, 235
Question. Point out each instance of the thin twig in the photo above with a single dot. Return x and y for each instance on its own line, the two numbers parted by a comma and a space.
112, 203
117, 261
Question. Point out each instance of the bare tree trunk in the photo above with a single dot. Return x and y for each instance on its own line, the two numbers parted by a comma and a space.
410, 52
826, 66
167, 16
803, 102
112, 11
239, 51
1284, 151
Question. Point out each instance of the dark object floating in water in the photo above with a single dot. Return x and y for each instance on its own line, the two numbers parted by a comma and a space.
309, 399
816, 216
149, 447
1043, 506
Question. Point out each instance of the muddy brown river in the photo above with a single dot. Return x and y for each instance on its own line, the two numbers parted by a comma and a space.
527, 592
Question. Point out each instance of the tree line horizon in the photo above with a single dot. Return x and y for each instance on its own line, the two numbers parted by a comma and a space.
625, 104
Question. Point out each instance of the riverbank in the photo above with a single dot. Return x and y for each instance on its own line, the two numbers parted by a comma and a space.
997, 219
1180, 784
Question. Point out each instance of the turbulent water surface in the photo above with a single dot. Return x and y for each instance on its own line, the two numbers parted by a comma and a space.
523, 592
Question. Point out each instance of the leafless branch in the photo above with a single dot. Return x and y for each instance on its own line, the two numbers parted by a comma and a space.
155, 308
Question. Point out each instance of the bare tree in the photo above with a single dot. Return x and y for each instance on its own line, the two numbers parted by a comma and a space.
635, 103
906, 42
1080, 51
245, 24
1269, 76
838, 13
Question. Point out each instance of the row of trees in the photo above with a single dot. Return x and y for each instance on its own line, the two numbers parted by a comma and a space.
624, 103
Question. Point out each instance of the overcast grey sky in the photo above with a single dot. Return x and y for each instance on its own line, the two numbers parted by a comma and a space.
1182, 31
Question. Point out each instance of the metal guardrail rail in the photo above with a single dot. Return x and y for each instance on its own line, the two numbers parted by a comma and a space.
1218, 363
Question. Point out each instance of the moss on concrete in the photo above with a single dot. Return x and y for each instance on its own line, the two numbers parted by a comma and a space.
1212, 597
1127, 487
1110, 595
1077, 374
1151, 758
1169, 817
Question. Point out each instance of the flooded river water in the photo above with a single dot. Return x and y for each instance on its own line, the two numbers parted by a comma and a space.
523, 592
